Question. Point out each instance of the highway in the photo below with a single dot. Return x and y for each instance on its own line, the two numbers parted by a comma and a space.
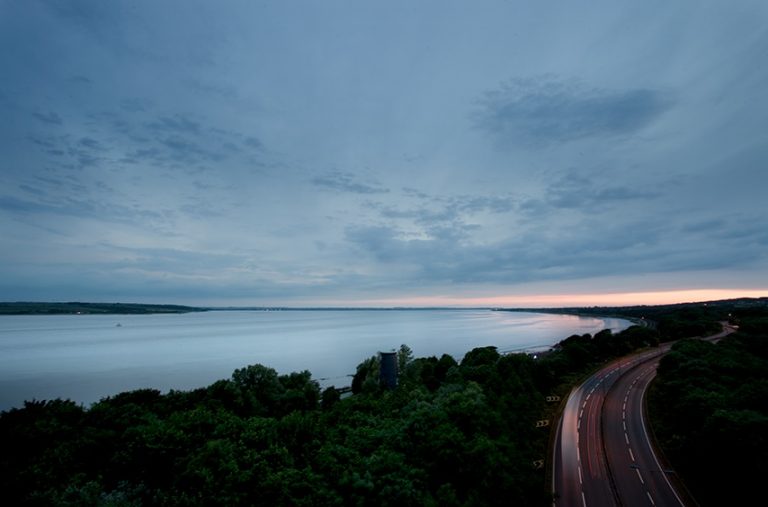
603, 454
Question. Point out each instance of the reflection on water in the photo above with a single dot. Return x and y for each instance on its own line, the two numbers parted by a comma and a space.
86, 357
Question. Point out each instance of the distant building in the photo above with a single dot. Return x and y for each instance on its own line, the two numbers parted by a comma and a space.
388, 370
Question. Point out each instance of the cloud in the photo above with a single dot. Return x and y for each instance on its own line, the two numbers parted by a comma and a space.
90, 143
80, 80
79, 208
253, 142
346, 182
49, 117
361, 173
574, 190
134, 105
447, 255
175, 124
540, 112
433, 210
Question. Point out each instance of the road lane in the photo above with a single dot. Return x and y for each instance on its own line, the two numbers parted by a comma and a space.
603, 452
640, 479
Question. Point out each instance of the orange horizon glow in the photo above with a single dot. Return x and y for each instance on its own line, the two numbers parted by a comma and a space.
566, 300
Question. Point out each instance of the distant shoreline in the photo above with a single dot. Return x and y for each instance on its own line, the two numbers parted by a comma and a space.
77, 308
631, 313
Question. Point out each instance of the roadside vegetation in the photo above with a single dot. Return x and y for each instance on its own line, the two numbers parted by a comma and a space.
709, 407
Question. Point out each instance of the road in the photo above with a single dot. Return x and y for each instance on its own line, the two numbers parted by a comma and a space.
603, 451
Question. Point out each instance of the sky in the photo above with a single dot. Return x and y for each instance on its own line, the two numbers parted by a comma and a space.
358, 153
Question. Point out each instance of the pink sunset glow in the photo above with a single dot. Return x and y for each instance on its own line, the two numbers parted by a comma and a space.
566, 300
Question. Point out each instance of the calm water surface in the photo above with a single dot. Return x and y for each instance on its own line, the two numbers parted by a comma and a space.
87, 357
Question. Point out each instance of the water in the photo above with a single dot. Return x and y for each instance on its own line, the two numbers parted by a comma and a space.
87, 357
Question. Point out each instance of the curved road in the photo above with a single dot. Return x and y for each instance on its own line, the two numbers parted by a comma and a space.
603, 452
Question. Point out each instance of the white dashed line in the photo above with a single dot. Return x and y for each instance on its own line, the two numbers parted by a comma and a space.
639, 476
580, 478
583, 500
649, 497
624, 423
630, 454
626, 438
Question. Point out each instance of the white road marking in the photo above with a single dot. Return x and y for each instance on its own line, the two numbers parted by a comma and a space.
580, 478
583, 500
639, 476
630, 454
588, 395
649, 497
626, 438
624, 406
624, 423
655, 458
623, 415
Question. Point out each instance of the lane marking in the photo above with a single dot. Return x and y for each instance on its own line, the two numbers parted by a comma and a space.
623, 414
588, 395
650, 448
639, 476
583, 500
631, 455
649, 497
624, 423
626, 438
624, 407
580, 478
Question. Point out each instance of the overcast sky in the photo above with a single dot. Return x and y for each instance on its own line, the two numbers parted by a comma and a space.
382, 152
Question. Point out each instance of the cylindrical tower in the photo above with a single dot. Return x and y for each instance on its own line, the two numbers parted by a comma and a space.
388, 369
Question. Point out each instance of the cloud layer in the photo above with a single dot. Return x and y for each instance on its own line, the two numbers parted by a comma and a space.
305, 153
544, 112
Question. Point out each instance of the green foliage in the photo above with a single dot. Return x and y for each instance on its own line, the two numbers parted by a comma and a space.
710, 405
366, 378
404, 357
450, 434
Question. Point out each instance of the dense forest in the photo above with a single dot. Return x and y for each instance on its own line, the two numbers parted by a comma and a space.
710, 412
454, 433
